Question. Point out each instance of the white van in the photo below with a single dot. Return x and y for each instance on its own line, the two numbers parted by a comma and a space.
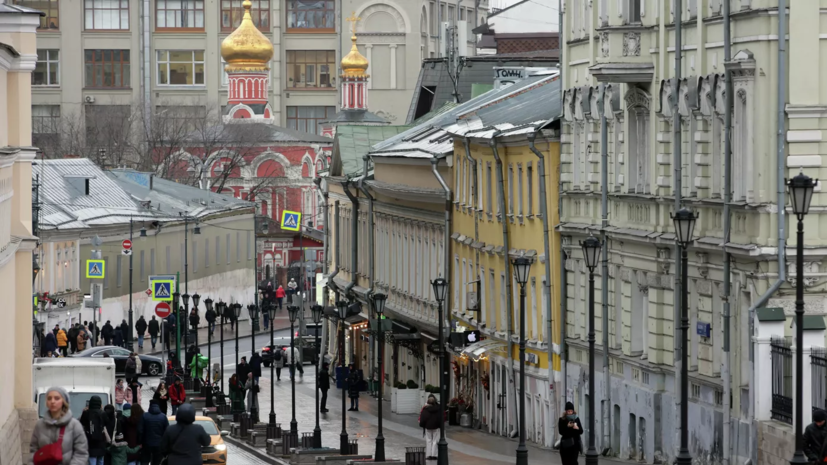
82, 378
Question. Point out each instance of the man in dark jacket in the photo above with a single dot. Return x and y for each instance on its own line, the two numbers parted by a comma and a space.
430, 420
814, 436
93, 334
124, 332
243, 369
255, 366
210, 317
107, 332
131, 367
93, 421
50, 344
323, 383
155, 424
154, 329
140, 328
182, 442
73, 338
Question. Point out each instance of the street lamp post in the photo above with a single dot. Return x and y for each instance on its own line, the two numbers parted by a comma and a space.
196, 299
440, 286
379, 305
293, 313
129, 344
253, 311
341, 306
522, 266
237, 312
801, 193
208, 304
316, 312
684, 221
591, 254
271, 426
221, 309
176, 314
185, 299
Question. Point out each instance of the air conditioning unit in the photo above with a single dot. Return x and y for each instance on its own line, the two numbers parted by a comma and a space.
90, 99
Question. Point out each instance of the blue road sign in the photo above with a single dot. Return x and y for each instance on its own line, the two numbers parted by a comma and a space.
95, 269
290, 220
162, 290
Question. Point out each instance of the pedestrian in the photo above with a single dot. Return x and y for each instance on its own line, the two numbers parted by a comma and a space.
93, 421
131, 367
50, 343
255, 366
814, 436
278, 361
133, 392
243, 369
430, 421
252, 394
154, 329
93, 334
294, 361
182, 442
120, 451
111, 429
323, 384
354, 381
117, 337
236, 394
125, 332
155, 425
58, 426
291, 289
177, 395
233, 319
56, 329
570, 430
161, 397
73, 338
210, 317
108, 332
120, 393
140, 327
195, 320
81, 341
132, 428
62, 341
280, 294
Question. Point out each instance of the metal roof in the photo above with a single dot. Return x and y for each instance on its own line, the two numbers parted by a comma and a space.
7, 7
252, 133
354, 142
358, 116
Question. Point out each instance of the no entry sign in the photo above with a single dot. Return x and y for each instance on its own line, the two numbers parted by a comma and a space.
162, 310
127, 244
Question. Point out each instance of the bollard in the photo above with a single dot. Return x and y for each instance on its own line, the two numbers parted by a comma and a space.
244, 425
307, 440
414, 456
354, 447
289, 440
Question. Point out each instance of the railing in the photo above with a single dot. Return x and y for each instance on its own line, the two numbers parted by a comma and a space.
818, 365
782, 380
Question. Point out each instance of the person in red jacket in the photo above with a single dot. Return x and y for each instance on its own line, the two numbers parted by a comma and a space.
177, 395
280, 293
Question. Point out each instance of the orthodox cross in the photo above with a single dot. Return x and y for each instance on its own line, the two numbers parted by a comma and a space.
353, 19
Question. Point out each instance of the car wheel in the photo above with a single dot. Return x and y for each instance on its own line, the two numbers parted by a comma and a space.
154, 369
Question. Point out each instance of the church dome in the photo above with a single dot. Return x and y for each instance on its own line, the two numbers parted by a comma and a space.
247, 49
354, 64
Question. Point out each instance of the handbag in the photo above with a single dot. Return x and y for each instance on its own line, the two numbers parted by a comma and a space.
51, 454
567, 443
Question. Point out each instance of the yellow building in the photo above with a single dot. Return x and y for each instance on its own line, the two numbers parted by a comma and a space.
18, 56
498, 208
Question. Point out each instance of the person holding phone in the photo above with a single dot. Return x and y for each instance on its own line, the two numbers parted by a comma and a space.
570, 432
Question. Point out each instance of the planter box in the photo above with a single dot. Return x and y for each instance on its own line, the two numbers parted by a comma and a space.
405, 401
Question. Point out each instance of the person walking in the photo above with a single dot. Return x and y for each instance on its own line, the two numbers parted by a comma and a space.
108, 332
182, 442
242, 369
93, 334
49, 344
154, 329
195, 320
430, 420
56, 329
210, 317
131, 367
120, 393
814, 436
59, 426
111, 417
133, 392
155, 425
124, 328
93, 421
266, 318
236, 394
278, 361
132, 428
570, 431
291, 289
354, 381
177, 395
62, 341
161, 397
294, 361
255, 366
252, 396
140, 327
323, 383
280, 294
120, 451
80, 344
73, 338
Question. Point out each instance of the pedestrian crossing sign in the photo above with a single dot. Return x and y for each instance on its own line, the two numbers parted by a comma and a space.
162, 290
95, 269
291, 221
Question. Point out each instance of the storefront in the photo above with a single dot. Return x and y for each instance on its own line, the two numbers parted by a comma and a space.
471, 368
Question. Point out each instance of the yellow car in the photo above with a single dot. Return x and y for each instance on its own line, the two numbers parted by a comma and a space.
216, 452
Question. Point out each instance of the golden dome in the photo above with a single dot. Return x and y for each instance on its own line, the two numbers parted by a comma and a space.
354, 64
247, 49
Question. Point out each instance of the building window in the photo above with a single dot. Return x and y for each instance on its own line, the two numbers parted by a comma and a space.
510, 189
168, 259
488, 189
217, 250
638, 150
310, 68
634, 10
232, 12
309, 119
47, 70
107, 68
311, 14
194, 256
142, 267
106, 262
237, 246
181, 68
520, 190
227, 242
45, 119
50, 10
106, 15
179, 14
530, 189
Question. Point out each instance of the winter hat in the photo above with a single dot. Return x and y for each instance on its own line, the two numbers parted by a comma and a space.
569, 406
62, 393
127, 410
819, 415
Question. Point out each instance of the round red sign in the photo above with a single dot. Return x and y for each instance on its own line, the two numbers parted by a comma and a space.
162, 309
127, 244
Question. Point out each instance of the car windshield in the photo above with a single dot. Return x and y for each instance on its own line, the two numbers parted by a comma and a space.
77, 402
208, 425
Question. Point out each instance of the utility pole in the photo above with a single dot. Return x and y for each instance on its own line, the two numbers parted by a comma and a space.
129, 343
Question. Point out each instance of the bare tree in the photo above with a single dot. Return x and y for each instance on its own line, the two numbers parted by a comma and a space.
105, 134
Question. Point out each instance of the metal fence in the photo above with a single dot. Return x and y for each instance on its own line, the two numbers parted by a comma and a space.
818, 364
782, 380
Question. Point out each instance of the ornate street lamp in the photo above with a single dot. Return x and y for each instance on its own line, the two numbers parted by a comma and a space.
208, 305
271, 425
684, 221
341, 307
221, 309
440, 286
293, 313
176, 299
185, 299
591, 254
237, 312
522, 266
379, 305
316, 312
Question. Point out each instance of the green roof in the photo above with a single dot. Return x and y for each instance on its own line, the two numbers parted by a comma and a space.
431, 114
353, 142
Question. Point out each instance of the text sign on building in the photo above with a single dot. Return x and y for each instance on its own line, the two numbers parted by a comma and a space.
95, 269
162, 290
291, 221
703, 329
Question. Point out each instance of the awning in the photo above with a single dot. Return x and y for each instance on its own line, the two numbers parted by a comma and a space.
477, 349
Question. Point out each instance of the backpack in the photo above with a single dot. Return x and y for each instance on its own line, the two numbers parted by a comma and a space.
277, 355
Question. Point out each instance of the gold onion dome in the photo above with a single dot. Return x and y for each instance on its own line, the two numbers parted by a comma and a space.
354, 64
247, 49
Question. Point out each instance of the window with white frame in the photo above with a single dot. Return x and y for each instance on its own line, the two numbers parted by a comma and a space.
217, 250
106, 15
152, 261
717, 157
510, 189
488, 189
575, 154
194, 256
47, 70
180, 67
638, 150
617, 152
530, 189
692, 8
741, 147
227, 252
633, 11
141, 266
520, 189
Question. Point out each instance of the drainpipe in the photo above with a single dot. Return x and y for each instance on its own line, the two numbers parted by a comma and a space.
677, 191
446, 309
354, 243
322, 190
563, 256
604, 278
726, 367
541, 167
371, 251
508, 291
146, 65
474, 204
782, 213
334, 352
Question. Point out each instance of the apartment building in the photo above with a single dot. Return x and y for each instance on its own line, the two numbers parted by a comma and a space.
99, 58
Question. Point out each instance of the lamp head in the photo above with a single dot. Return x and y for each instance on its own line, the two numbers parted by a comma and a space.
591, 252
185, 298
196, 299
801, 189
522, 266
440, 289
684, 221
293, 313
208, 303
341, 306
379, 302
316, 312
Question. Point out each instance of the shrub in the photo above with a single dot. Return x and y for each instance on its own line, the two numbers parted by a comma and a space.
412, 384
401, 385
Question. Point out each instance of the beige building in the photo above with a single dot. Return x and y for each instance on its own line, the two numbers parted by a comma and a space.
97, 61
17, 60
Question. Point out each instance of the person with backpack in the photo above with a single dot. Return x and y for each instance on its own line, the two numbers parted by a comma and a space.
80, 344
140, 327
182, 442
93, 421
278, 361
131, 367
108, 332
154, 330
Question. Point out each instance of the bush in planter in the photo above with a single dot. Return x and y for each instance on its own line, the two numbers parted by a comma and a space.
401, 385
432, 389
412, 384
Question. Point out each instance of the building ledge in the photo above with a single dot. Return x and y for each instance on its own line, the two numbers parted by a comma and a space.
623, 72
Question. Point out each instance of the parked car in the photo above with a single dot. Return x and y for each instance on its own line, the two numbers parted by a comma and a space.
150, 365
216, 452
306, 345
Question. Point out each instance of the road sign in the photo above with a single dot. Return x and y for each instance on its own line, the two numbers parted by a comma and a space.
162, 290
148, 292
162, 310
291, 221
95, 269
127, 244
126, 252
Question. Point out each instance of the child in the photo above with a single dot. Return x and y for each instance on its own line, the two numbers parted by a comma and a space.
120, 450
